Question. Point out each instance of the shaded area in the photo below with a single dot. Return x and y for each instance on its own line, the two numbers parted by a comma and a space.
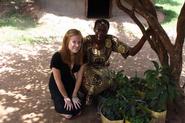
25, 98
24, 94
16, 20
98, 9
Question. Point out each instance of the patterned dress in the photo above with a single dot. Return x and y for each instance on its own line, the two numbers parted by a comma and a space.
96, 74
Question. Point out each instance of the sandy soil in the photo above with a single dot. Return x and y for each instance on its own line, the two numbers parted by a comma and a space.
24, 69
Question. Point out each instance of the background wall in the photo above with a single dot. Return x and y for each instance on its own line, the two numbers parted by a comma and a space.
72, 7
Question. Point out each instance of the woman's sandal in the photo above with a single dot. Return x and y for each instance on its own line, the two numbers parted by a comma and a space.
66, 116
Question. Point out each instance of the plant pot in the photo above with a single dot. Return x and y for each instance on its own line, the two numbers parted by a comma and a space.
106, 120
160, 119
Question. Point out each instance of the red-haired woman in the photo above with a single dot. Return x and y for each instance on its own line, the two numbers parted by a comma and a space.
63, 84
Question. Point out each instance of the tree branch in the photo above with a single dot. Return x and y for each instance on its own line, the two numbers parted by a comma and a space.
180, 29
131, 14
154, 24
152, 20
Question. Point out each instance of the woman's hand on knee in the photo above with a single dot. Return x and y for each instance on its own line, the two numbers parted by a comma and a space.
68, 104
76, 102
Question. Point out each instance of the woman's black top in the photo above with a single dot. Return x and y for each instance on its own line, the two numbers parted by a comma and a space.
67, 78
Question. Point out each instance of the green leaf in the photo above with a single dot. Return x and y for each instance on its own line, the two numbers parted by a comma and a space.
156, 65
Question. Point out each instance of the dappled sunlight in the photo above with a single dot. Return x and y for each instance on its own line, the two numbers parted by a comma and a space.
60, 24
32, 117
51, 27
26, 70
4, 69
134, 64
132, 30
113, 28
4, 111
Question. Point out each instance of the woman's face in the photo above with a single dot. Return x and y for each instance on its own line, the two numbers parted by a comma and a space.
75, 43
100, 31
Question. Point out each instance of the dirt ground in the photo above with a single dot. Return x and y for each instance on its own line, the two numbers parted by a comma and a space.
24, 69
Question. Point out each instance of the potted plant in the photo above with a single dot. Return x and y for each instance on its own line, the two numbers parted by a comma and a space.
161, 89
139, 100
121, 102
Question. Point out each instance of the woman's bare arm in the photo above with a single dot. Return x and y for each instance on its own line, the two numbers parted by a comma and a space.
57, 77
78, 80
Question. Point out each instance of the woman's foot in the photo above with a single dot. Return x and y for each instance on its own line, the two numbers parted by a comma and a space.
66, 116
